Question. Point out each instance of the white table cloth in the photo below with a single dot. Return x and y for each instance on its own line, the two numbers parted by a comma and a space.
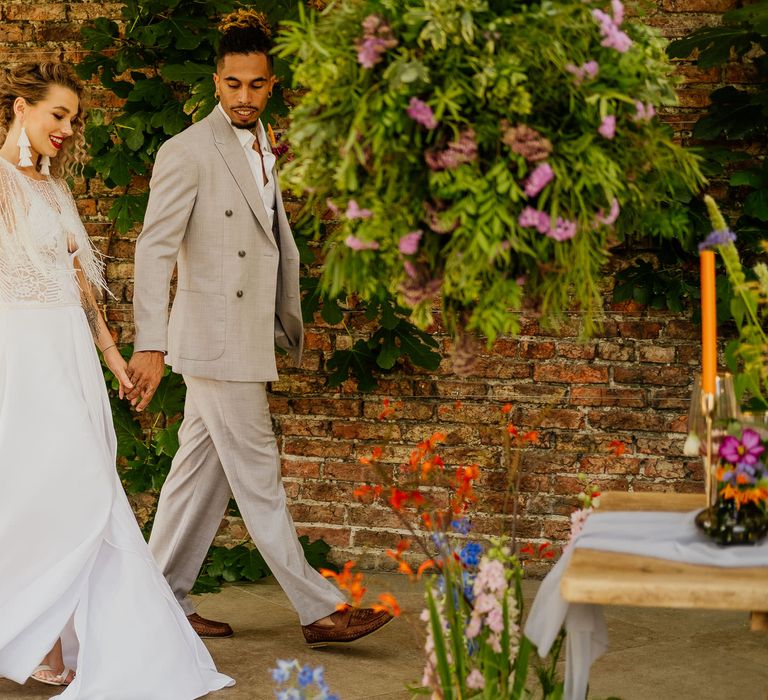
672, 536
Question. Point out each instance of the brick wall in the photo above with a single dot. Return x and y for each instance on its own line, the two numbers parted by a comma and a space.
631, 383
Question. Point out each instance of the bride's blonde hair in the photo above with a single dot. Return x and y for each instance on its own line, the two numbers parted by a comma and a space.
32, 81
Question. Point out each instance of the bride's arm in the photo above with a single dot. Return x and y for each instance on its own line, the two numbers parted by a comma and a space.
100, 332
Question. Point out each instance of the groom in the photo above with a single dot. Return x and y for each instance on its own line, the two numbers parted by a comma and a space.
215, 209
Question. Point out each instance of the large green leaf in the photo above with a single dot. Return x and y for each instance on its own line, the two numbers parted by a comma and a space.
357, 361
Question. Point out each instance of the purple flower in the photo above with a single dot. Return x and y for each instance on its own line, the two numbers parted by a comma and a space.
607, 128
716, 238
538, 179
613, 214
356, 243
355, 212
463, 150
644, 112
369, 52
332, 207
589, 70
744, 451
564, 230
613, 37
533, 218
377, 38
409, 243
421, 113
528, 218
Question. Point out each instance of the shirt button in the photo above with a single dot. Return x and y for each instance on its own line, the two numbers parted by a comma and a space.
228, 212
239, 293
241, 253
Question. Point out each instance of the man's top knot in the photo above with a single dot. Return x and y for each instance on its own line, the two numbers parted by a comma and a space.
245, 19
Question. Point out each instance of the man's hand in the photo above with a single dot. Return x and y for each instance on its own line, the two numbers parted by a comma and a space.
145, 370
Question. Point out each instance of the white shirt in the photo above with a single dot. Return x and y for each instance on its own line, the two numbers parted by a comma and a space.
247, 139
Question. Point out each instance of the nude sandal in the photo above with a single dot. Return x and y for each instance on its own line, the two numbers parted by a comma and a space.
58, 679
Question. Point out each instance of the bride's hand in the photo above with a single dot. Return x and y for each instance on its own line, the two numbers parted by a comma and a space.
118, 367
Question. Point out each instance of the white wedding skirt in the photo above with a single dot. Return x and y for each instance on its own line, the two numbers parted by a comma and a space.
73, 563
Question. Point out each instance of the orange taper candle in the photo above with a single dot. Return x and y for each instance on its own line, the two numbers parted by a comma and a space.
708, 322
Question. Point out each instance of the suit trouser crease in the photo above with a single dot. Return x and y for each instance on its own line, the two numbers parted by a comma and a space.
227, 446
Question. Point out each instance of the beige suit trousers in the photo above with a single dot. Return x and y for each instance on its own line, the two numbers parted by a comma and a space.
227, 447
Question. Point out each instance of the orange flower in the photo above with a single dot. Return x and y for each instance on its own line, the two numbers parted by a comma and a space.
375, 456
348, 581
617, 447
506, 408
531, 436
527, 549
429, 564
364, 491
388, 603
546, 551
271, 134
512, 430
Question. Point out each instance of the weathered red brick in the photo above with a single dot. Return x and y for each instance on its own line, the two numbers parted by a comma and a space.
570, 373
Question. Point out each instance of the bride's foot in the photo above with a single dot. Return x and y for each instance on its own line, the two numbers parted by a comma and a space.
51, 670
45, 674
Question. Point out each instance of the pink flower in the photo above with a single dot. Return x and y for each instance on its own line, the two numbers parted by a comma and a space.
538, 179
421, 113
475, 680
613, 37
463, 150
355, 212
644, 112
356, 243
613, 214
607, 128
377, 38
533, 218
589, 70
564, 230
409, 243
578, 518
332, 207
745, 451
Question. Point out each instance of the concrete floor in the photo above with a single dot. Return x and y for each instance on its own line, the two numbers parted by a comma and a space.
653, 655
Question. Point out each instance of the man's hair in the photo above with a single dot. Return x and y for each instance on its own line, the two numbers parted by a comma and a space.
245, 31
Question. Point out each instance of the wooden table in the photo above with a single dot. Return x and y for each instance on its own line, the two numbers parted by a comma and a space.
607, 578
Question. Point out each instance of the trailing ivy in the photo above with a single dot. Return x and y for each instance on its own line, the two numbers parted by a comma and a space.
160, 63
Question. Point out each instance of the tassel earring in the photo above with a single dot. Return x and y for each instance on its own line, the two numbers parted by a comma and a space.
25, 149
45, 165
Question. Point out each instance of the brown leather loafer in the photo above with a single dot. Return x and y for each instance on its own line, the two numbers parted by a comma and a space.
348, 625
209, 628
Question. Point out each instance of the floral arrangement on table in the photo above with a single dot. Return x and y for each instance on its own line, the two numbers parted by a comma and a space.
740, 512
486, 152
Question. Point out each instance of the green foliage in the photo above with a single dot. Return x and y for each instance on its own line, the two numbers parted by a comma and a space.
481, 67
244, 563
161, 64
736, 115
145, 449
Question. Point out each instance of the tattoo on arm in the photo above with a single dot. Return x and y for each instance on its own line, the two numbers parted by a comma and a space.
91, 315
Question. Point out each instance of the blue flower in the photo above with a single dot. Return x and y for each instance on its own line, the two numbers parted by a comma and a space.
462, 525
716, 238
290, 694
470, 553
282, 673
439, 540
306, 676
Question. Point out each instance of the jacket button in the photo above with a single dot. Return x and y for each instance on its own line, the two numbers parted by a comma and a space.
228, 212
241, 253
239, 293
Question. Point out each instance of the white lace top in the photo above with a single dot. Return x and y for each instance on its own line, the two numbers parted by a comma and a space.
40, 236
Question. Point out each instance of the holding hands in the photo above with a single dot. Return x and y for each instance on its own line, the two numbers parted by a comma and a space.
119, 367
145, 371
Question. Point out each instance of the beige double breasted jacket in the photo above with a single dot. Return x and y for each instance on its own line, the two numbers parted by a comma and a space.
238, 278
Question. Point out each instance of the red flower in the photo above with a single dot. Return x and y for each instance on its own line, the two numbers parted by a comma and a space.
506, 408
617, 447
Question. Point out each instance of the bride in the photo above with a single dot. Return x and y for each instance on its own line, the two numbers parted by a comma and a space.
78, 587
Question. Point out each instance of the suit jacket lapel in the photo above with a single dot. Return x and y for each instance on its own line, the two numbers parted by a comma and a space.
237, 162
